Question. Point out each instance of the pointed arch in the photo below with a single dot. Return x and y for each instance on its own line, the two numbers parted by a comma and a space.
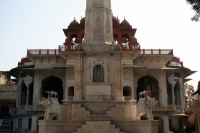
150, 84
71, 91
23, 94
127, 91
98, 73
52, 83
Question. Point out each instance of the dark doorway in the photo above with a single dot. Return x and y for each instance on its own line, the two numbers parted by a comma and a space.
52, 83
71, 91
127, 91
149, 84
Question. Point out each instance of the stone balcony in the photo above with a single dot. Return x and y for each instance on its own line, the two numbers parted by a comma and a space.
156, 52
34, 108
164, 108
31, 108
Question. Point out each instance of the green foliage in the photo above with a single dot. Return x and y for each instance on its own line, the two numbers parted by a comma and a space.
196, 7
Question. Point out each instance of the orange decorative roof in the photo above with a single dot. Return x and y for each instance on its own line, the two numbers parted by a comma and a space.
125, 23
74, 23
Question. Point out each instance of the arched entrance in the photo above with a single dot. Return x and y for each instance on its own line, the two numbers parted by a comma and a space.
149, 84
127, 92
52, 83
4, 112
23, 94
71, 92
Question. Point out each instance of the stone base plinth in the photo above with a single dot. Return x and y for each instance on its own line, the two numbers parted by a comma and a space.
100, 126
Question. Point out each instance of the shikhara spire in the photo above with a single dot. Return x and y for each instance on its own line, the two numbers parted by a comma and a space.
100, 30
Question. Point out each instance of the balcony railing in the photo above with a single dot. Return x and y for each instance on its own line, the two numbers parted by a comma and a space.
156, 51
127, 47
168, 107
22, 107
64, 48
178, 107
42, 52
34, 108
127, 97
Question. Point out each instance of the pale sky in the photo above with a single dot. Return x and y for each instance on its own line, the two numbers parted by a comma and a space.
38, 24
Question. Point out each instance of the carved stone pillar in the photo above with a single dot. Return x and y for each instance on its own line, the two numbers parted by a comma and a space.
98, 22
119, 78
166, 123
78, 77
181, 97
27, 95
19, 95
34, 124
172, 89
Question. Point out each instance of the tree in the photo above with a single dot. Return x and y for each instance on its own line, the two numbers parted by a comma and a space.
198, 89
196, 7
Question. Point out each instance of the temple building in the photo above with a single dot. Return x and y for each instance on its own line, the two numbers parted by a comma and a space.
8, 95
100, 80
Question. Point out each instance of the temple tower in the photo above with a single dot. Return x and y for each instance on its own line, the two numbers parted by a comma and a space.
98, 22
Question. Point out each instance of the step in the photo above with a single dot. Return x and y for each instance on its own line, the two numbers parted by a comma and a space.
98, 116
98, 119
5, 130
6, 123
90, 125
5, 127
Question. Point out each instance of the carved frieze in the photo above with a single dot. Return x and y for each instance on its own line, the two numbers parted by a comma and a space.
98, 28
87, 37
108, 27
98, 38
109, 38
70, 75
8, 87
97, 3
98, 48
88, 25
127, 75
98, 9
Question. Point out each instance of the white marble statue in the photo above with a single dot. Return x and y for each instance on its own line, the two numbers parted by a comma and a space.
151, 102
143, 94
51, 105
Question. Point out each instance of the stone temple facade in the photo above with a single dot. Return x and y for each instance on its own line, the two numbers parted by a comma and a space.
100, 81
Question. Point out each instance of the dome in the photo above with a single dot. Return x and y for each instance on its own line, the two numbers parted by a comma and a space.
74, 23
135, 40
82, 20
125, 23
175, 61
115, 19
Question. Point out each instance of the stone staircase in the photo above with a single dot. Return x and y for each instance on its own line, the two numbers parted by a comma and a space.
98, 127
5, 125
96, 122
79, 112
98, 117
